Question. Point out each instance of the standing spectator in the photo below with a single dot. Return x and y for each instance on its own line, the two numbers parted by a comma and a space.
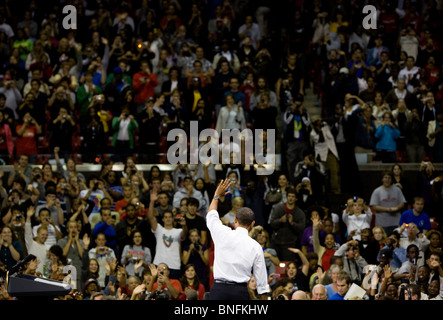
11, 92
234, 90
230, 56
252, 30
93, 134
26, 142
296, 122
206, 65
264, 116
191, 281
149, 133
356, 220
435, 137
6, 140
123, 139
287, 222
73, 247
387, 201
415, 137
61, 130
326, 151
326, 252
168, 239
143, 82
195, 221
387, 135
86, 92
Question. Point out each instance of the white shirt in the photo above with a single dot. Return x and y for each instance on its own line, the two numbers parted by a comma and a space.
236, 254
52, 235
123, 130
357, 222
167, 249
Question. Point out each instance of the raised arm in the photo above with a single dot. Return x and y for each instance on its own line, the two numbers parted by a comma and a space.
151, 218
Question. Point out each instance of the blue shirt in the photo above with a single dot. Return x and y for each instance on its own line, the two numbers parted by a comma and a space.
387, 137
336, 297
422, 220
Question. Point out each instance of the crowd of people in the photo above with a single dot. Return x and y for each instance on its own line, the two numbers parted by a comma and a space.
109, 92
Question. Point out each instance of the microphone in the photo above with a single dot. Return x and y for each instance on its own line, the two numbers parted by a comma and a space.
21, 264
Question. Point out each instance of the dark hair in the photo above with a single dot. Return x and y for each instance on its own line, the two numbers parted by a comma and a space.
193, 202
184, 280
245, 216
50, 190
291, 190
58, 251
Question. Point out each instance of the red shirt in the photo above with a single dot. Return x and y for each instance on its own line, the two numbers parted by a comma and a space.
174, 282
326, 258
27, 143
143, 91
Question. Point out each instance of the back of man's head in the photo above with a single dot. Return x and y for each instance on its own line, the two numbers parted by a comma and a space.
245, 216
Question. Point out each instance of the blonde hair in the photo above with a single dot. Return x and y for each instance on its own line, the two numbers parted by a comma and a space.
383, 232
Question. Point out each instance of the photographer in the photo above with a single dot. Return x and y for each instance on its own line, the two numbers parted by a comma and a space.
123, 139
353, 262
305, 197
61, 129
53, 205
160, 282
96, 192
314, 170
296, 123
196, 254
26, 141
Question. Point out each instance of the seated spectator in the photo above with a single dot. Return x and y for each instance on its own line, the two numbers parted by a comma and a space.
161, 283
190, 281
413, 236
343, 284
412, 253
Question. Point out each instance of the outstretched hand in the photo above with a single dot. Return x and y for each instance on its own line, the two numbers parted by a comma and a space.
222, 188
